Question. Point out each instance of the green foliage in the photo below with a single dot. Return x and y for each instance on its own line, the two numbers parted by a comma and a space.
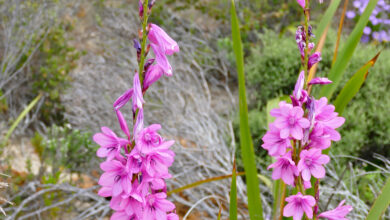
65, 148
381, 203
54, 61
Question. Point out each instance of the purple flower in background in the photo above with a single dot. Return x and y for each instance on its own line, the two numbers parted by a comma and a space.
284, 168
275, 145
350, 14
299, 204
311, 163
338, 213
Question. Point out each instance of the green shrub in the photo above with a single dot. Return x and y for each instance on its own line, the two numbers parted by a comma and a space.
53, 63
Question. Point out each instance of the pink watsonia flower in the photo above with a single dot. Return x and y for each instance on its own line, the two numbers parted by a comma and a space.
320, 80
153, 73
302, 3
123, 124
172, 216
131, 203
157, 162
299, 86
156, 207
275, 145
311, 163
160, 38
116, 176
138, 99
313, 59
299, 204
139, 123
149, 140
291, 122
110, 144
162, 60
123, 99
285, 169
338, 213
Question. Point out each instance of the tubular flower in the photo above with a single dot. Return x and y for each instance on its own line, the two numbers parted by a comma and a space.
275, 145
299, 204
110, 144
338, 213
291, 122
285, 169
311, 163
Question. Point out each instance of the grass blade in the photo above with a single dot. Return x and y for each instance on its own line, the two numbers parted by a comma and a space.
345, 55
327, 18
20, 117
339, 31
248, 155
353, 85
381, 203
219, 212
200, 182
233, 195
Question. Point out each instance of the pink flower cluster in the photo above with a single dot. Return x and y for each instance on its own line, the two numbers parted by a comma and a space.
136, 166
297, 138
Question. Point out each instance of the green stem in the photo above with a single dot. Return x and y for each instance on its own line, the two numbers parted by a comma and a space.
143, 44
306, 59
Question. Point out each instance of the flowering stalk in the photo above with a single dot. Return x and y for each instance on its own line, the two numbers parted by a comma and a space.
136, 167
298, 135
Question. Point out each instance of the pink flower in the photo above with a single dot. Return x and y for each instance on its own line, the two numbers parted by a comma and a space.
138, 99
116, 176
326, 115
313, 59
110, 144
291, 122
285, 169
338, 213
157, 206
153, 73
139, 123
320, 80
297, 205
157, 162
160, 38
149, 140
172, 216
301, 3
123, 99
162, 60
275, 145
311, 163
122, 123
299, 86
131, 203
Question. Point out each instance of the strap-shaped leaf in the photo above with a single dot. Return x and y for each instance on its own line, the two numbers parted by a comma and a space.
348, 49
233, 195
246, 144
353, 85
381, 203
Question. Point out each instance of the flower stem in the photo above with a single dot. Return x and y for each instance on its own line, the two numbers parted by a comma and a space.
143, 44
306, 59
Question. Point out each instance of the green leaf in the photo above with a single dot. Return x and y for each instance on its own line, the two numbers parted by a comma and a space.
219, 212
20, 117
381, 203
327, 18
200, 182
233, 195
248, 155
347, 51
353, 85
